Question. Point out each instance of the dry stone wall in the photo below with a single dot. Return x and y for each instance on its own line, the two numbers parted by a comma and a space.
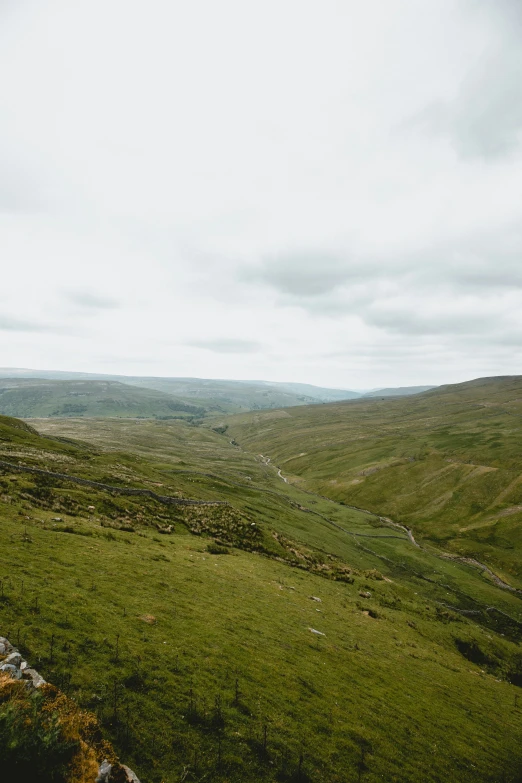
166, 499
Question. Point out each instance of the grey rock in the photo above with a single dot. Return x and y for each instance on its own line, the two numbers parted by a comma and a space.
3, 649
15, 673
23, 665
33, 676
131, 776
104, 772
6, 644
15, 659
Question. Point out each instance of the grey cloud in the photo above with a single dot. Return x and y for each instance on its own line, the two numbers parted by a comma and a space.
228, 345
308, 274
475, 265
413, 322
92, 301
486, 260
9, 324
484, 120
464, 289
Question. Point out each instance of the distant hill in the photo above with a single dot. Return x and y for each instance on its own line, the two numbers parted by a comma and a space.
316, 392
35, 398
223, 396
216, 396
400, 391
220, 395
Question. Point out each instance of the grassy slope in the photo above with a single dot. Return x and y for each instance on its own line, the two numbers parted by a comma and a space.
447, 463
385, 695
31, 398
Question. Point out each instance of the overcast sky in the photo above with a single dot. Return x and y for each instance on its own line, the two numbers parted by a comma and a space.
325, 191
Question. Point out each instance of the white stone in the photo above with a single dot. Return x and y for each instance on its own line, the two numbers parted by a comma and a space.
14, 658
103, 772
15, 673
36, 679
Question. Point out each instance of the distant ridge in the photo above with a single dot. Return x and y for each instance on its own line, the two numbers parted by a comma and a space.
400, 391
210, 396
214, 395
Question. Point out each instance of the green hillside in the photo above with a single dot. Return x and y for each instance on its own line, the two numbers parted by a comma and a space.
33, 398
446, 463
198, 649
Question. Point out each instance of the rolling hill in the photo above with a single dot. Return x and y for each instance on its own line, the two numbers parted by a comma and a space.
279, 637
214, 395
30, 398
221, 396
446, 463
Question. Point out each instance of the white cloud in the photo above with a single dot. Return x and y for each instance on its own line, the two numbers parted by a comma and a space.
320, 192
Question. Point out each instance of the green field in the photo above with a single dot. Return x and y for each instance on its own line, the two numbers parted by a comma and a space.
415, 678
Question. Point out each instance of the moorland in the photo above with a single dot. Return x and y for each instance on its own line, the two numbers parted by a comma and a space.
319, 614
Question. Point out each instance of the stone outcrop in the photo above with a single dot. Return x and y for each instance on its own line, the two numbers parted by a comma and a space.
115, 773
12, 663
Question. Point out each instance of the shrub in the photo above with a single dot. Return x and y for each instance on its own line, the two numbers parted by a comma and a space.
45, 737
216, 549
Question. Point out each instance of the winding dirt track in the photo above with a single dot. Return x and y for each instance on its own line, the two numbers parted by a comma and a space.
387, 521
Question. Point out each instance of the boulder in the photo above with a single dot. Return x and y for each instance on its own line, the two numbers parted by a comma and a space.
33, 677
131, 776
117, 773
104, 772
5, 645
14, 671
14, 658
